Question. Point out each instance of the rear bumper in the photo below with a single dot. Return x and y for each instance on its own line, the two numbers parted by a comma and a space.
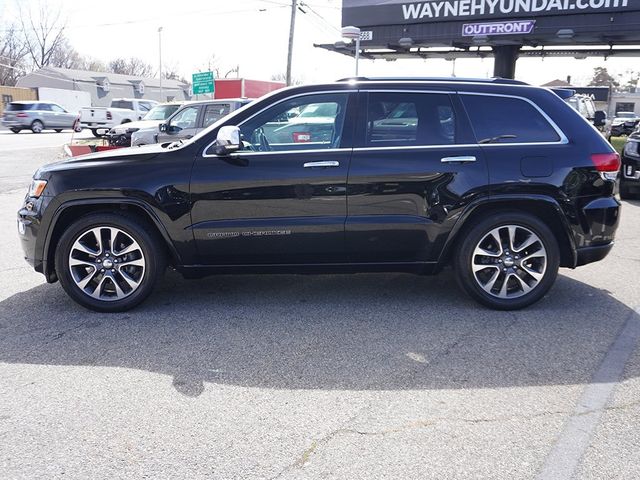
592, 254
21, 123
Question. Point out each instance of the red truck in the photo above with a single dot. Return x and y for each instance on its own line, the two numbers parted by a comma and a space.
244, 88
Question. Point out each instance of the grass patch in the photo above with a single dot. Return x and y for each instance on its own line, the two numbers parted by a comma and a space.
618, 143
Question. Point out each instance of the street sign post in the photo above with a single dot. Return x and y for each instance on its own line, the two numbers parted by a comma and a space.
203, 82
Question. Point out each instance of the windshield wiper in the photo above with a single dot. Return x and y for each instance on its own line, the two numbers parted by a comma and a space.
496, 138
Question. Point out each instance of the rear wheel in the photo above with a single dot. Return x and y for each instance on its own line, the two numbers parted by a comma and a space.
109, 262
15, 130
37, 126
95, 132
508, 261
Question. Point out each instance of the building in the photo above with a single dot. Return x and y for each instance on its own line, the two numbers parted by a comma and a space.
13, 94
104, 87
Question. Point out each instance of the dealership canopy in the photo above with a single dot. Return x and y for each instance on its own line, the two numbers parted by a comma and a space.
505, 29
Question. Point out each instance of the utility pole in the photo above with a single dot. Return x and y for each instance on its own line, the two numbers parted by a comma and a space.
294, 7
160, 59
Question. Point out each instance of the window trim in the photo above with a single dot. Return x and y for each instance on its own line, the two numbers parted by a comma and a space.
315, 150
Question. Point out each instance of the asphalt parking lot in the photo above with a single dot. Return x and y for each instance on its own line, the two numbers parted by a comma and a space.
369, 376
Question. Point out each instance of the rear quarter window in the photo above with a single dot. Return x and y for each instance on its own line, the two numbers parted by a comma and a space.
507, 120
18, 107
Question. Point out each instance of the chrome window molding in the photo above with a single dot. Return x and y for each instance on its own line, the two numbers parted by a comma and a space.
563, 138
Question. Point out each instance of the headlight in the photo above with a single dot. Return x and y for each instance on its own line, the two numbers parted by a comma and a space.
631, 149
36, 188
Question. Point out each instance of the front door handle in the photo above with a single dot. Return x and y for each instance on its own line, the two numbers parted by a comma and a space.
461, 159
321, 164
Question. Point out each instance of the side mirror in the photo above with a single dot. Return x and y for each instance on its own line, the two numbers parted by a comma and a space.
162, 127
600, 118
227, 140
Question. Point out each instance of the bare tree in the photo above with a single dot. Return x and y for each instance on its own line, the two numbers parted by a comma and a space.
130, 66
43, 33
12, 54
282, 77
171, 72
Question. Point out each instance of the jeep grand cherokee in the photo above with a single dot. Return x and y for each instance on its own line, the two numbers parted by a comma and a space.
502, 180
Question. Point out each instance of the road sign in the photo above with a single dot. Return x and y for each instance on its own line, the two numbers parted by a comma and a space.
203, 83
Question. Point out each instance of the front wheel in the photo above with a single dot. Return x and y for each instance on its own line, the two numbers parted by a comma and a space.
57, 130
508, 261
95, 132
109, 262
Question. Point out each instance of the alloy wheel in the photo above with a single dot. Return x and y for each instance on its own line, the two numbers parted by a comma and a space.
106, 263
509, 261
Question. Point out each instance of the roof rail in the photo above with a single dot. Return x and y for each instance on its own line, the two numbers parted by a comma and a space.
504, 81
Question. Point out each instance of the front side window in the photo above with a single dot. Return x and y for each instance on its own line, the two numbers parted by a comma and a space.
301, 123
44, 107
185, 118
409, 119
507, 120
57, 108
215, 112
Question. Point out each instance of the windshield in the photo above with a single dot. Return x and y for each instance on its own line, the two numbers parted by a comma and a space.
161, 112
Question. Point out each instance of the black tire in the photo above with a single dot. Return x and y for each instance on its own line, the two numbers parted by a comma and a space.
15, 130
37, 126
153, 254
472, 238
57, 130
95, 132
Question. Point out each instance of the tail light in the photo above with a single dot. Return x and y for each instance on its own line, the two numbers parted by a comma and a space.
607, 164
109, 116
21, 115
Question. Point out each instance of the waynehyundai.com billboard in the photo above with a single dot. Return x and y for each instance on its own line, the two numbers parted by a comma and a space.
385, 12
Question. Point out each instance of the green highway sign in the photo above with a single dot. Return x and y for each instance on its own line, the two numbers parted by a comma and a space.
203, 83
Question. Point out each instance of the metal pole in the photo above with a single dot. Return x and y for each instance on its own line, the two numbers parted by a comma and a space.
294, 7
160, 58
357, 53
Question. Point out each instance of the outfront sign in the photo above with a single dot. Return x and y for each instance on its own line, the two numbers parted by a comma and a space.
498, 28
392, 12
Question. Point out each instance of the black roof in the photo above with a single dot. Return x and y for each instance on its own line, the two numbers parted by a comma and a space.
504, 81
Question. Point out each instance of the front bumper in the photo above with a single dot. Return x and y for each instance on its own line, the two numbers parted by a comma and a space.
630, 170
30, 228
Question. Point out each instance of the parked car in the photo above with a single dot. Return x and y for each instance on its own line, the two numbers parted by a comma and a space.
630, 170
37, 116
120, 135
585, 106
624, 123
122, 110
190, 119
523, 186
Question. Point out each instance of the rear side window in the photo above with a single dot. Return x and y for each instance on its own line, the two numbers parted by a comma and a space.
507, 120
215, 112
122, 104
399, 119
18, 107
43, 107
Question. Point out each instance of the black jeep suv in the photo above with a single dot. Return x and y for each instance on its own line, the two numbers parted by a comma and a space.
502, 180
630, 172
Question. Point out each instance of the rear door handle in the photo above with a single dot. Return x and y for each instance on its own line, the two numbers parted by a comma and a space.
461, 159
321, 164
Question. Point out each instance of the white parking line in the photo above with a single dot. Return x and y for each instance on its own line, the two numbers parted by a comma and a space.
562, 461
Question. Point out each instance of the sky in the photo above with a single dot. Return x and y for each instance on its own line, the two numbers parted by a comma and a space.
254, 35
